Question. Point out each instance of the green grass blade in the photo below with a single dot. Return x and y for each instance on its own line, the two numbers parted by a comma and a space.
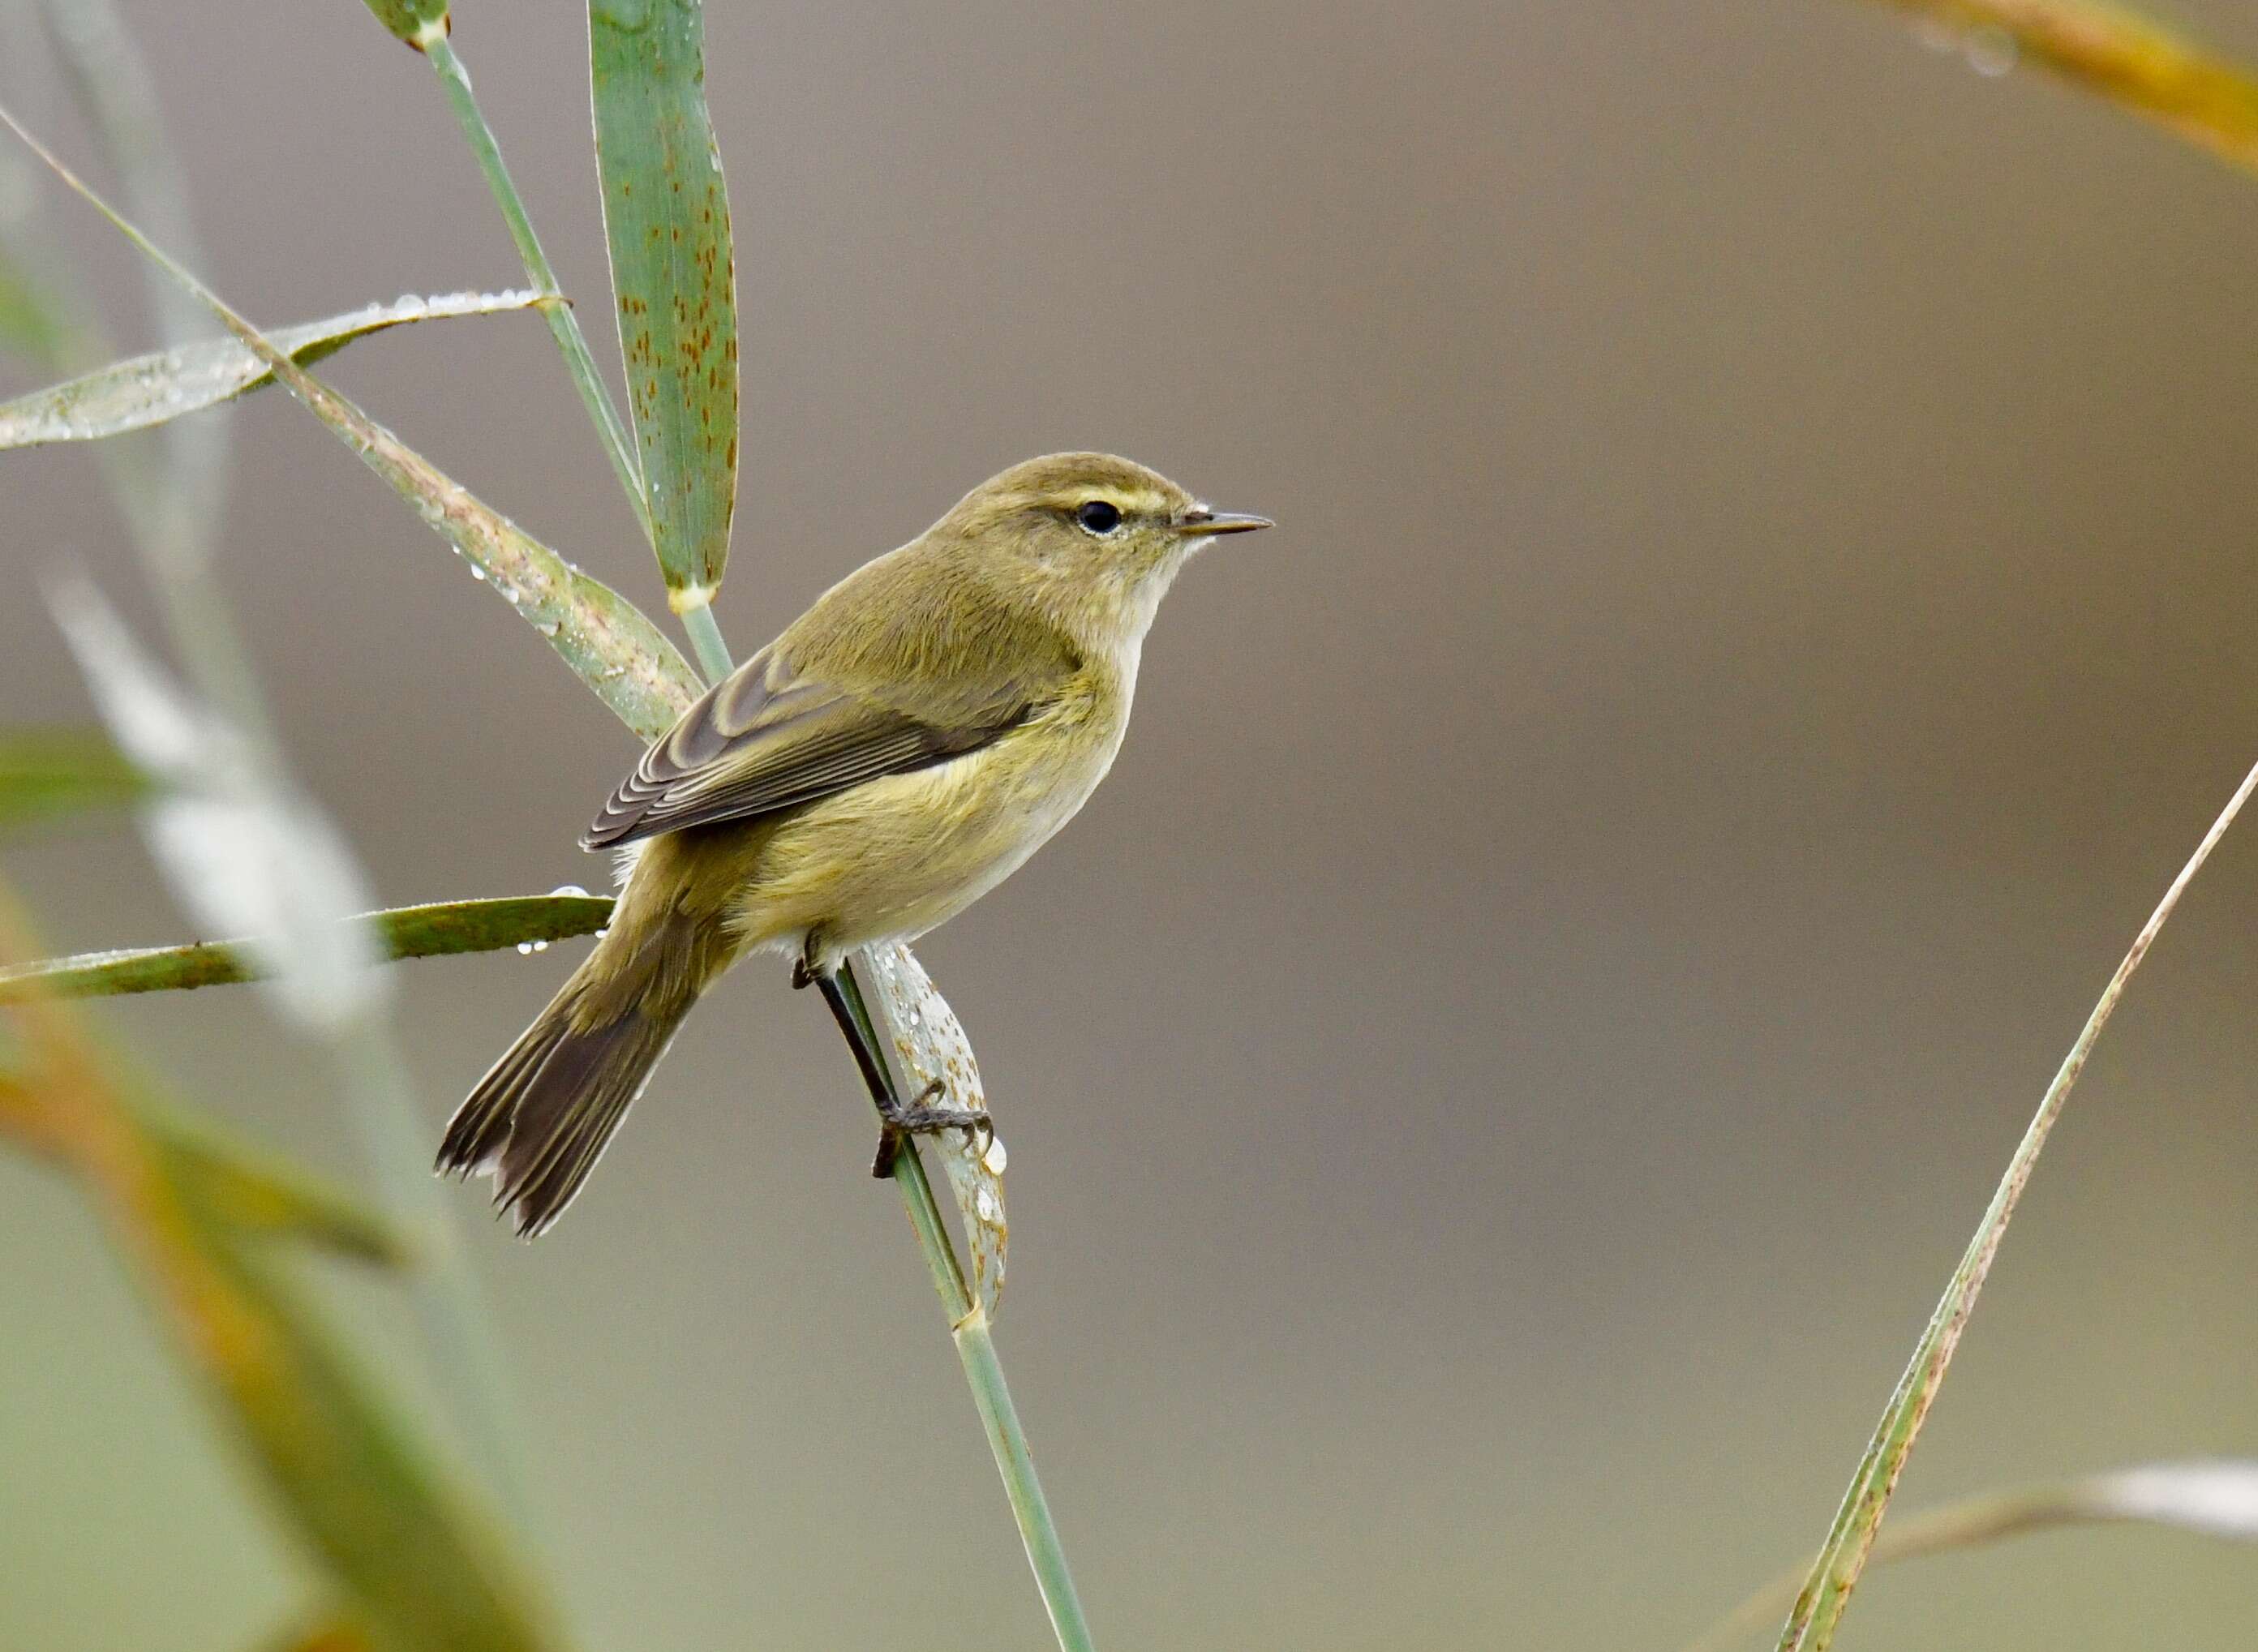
46, 771
666, 218
2217, 1499
163, 385
436, 931
605, 639
1826, 1591
2122, 57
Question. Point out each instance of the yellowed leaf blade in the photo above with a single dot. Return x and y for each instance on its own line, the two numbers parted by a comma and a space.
2120, 55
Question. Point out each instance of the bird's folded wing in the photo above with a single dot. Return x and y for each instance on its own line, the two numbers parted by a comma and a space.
768, 738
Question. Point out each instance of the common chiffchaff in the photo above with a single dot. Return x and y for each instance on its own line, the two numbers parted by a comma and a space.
901, 749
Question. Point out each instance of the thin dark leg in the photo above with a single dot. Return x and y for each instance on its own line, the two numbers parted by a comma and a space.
866, 1055
900, 1118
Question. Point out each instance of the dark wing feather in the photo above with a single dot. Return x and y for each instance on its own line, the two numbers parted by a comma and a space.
768, 737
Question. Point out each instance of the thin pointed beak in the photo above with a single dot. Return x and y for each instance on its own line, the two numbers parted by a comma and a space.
1200, 519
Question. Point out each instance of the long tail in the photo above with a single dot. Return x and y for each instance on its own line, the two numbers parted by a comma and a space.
543, 1113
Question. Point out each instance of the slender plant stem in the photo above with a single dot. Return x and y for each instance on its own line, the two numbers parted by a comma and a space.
706, 641
984, 1368
563, 324
1826, 1588
705, 635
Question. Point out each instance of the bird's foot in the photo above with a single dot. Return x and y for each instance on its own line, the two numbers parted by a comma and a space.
920, 1117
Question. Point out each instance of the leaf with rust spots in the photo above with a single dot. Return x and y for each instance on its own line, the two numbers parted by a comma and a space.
673, 271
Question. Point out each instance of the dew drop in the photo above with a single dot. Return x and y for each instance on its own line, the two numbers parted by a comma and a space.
525, 949
1991, 51
569, 888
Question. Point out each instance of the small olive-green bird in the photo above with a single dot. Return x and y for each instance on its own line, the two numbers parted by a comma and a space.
898, 751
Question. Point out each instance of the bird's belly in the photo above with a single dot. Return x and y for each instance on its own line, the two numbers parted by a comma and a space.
895, 857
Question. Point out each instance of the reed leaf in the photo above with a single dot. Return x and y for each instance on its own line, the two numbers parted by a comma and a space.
438, 930
637, 672
666, 219
163, 385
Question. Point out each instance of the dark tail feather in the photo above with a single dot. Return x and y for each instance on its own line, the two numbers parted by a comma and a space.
541, 1118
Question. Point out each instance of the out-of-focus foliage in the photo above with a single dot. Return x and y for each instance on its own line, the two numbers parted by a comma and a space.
196, 1224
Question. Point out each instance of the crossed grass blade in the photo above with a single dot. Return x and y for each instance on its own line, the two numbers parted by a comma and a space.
164, 385
2215, 1498
609, 642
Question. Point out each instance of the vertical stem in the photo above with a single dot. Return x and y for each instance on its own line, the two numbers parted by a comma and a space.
563, 324
984, 1371
706, 641
984, 1368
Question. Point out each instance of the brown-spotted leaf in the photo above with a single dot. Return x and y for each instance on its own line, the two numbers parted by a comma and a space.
666, 216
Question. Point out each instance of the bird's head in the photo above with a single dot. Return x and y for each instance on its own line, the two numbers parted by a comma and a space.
1095, 538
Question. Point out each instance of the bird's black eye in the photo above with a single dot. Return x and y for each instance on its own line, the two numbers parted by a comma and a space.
1099, 516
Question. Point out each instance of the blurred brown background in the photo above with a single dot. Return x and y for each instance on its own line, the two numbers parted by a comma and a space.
1765, 598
